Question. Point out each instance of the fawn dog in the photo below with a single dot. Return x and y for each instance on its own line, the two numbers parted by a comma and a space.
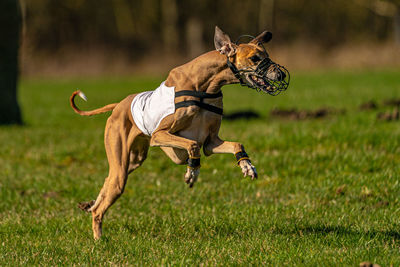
182, 115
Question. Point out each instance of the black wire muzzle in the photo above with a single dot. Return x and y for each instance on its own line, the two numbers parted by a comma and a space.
267, 76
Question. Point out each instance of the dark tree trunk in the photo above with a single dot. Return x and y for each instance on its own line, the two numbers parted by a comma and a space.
10, 27
396, 25
169, 13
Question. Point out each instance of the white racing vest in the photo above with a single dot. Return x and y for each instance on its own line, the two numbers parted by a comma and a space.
150, 107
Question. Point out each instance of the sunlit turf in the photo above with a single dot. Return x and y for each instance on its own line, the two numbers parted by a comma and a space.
328, 192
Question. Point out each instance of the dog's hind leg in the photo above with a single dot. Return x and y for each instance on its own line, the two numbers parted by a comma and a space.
118, 157
138, 153
120, 135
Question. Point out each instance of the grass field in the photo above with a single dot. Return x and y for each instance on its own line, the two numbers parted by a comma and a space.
328, 192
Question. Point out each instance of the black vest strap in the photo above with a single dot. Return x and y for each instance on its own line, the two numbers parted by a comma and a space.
198, 94
206, 106
201, 104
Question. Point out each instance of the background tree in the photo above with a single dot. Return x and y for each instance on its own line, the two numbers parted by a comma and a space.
10, 26
142, 26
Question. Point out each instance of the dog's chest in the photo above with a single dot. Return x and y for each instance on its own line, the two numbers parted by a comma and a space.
203, 124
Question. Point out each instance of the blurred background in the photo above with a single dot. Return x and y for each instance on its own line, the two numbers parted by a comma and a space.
95, 37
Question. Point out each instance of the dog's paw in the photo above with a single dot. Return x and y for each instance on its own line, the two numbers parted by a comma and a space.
191, 176
248, 169
85, 206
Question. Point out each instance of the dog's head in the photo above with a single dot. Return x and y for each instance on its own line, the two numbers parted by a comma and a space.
251, 64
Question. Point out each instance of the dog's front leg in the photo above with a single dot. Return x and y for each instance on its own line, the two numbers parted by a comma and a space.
166, 139
216, 145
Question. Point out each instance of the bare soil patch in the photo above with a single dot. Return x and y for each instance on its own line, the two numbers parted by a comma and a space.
297, 114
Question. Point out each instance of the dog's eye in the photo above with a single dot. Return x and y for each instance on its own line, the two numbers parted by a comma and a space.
255, 58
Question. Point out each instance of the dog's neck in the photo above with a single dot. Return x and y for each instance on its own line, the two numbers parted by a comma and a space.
206, 73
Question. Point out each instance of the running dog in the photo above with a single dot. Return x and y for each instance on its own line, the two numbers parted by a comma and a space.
182, 115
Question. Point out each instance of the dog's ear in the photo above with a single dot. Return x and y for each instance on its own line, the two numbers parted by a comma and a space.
264, 37
223, 43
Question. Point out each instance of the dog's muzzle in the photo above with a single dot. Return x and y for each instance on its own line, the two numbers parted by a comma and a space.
267, 76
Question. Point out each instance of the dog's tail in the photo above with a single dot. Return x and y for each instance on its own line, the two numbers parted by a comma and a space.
106, 108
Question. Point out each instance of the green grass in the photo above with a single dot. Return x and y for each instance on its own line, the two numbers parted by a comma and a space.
328, 192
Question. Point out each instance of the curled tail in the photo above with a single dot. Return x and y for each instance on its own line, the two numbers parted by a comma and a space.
106, 108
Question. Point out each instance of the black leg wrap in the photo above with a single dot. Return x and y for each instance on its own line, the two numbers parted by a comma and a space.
193, 163
241, 156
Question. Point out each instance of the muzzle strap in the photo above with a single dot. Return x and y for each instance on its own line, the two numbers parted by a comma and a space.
235, 72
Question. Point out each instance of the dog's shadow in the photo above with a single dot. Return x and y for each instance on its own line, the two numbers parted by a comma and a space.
339, 231
241, 115
226, 229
